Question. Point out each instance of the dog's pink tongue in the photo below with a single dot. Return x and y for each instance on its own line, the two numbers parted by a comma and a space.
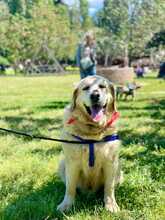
97, 113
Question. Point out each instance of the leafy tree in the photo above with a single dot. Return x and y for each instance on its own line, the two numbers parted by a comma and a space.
109, 46
132, 21
157, 40
22, 6
74, 14
4, 12
48, 29
16, 6
4, 16
84, 14
58, 2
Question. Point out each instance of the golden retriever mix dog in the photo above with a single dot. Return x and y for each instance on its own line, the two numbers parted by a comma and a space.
91, 119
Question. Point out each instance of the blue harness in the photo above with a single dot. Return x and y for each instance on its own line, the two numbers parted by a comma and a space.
91, 143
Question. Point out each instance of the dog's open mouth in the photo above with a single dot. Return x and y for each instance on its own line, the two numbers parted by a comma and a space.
96, 112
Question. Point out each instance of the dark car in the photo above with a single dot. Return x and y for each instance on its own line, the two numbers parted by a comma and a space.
162, 70
2, 68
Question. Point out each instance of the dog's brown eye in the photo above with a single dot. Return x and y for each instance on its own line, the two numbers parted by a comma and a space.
102, 86
86, 88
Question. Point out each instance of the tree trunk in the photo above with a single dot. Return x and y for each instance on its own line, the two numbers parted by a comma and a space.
126, 58
106, 60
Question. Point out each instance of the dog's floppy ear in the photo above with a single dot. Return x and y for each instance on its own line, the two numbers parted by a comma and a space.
74, 97
112, 105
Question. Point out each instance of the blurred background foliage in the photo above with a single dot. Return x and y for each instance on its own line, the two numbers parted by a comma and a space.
41, 29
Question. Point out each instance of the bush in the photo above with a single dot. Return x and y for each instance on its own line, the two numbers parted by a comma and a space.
10, 71
4, 61
71, 68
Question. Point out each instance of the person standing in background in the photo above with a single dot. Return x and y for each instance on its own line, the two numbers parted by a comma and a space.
86, 56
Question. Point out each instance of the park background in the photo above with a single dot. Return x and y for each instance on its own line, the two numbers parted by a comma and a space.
42, 36
38, 40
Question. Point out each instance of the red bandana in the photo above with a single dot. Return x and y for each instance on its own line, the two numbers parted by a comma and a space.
113, 118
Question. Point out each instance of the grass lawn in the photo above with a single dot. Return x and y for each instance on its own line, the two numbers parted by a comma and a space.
29, 186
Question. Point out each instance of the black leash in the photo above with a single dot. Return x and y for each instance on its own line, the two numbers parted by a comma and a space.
91, 143
47, 138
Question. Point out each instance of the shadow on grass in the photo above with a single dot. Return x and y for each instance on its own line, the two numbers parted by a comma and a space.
37, 204
155, 105
152, 140
30, 125
49, 152
42, 203
14, 108
53, 105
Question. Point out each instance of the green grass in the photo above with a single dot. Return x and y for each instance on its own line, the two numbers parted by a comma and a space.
29, 186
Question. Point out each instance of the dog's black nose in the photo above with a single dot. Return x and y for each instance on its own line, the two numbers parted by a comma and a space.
95, 96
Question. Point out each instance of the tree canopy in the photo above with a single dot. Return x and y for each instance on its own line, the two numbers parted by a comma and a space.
132, 22
157, 40
29, 29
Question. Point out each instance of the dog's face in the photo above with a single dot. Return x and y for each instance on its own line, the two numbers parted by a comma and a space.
95, 96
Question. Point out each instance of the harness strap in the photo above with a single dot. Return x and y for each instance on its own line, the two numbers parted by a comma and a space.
81, 141
91, 143
91, 155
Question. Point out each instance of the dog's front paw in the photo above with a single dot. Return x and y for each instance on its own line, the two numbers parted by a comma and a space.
65, 205
111, 205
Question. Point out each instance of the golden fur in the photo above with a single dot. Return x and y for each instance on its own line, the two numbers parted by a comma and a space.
74, 169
